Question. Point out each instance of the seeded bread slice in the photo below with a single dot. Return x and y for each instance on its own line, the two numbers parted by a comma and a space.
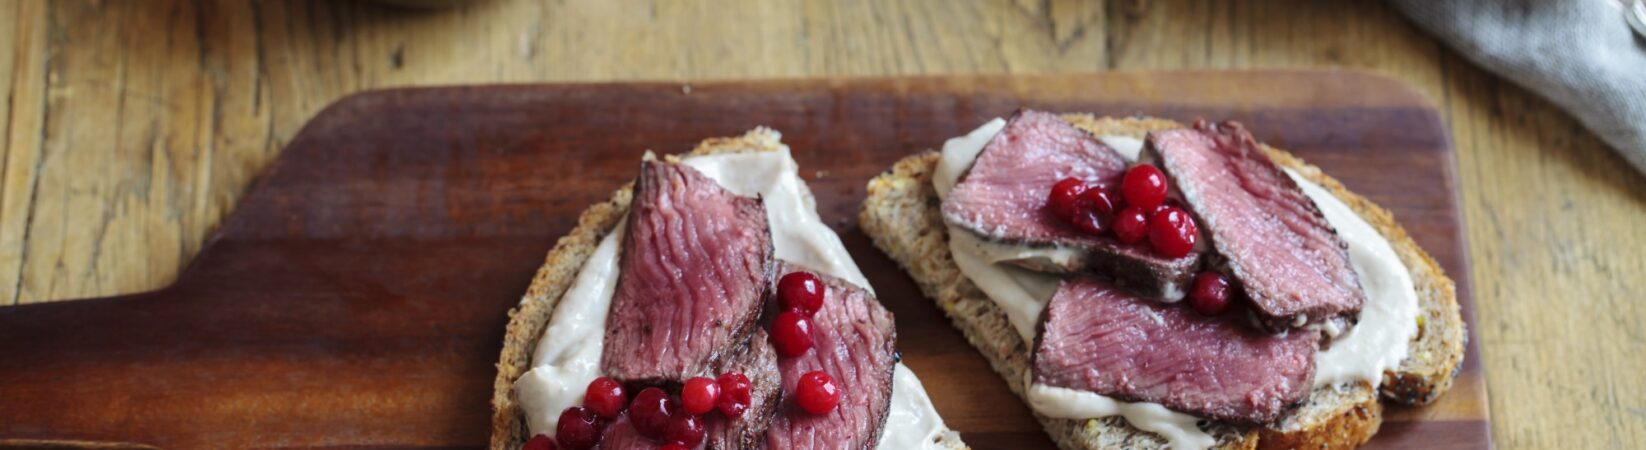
902, 215
527, 321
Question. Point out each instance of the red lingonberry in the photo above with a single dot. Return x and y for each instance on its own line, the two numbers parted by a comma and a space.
686, 429
736, 392
1210, 294
816, 393
1131, 226
1144, 186
801, 292
651, 412
1169, 203
699, 395
605, 397
791, 333
579, 429
1096, 211
1064, 198
1172, 233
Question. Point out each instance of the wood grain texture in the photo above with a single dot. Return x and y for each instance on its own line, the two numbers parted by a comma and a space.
131, 128
357, 294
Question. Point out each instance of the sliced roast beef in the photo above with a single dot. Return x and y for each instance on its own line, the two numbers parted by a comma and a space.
854, 342
758, 361
1002, 198
694, 272
1101, 339
1274, 240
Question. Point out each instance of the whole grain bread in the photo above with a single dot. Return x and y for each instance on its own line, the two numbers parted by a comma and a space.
902, 216
554, 277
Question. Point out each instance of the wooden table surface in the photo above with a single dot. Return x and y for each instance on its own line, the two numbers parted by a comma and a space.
131, 128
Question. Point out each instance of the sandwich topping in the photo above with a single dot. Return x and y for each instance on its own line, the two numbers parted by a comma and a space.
747, 387
1167, 368
1274, 240
692, 279
1100, 338
876, 400
842, 387
1130, 211
1002, 197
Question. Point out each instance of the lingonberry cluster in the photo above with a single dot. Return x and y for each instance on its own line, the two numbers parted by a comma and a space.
1134, 210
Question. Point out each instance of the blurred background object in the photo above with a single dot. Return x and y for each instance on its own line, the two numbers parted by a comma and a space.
1585, 56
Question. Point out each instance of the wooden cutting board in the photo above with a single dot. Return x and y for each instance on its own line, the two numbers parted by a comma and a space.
357, 295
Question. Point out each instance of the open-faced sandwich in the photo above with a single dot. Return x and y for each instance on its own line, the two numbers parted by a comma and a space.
1145, 284
707, 306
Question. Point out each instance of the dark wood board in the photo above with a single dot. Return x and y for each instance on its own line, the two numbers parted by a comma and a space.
357, 295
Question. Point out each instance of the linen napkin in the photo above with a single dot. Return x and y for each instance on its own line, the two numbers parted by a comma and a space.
1580, 54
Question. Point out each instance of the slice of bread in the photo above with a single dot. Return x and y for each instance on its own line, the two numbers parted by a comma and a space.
902, 215
560, 267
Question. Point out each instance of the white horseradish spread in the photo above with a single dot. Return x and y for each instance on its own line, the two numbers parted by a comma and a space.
568, 354
1377, 343
1388, 319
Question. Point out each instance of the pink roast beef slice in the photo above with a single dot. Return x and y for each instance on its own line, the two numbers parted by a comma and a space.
758, 361
854, 342
694, 273
1275, 242
1101, 339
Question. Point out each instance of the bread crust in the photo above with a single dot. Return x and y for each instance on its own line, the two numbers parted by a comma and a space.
901, 215
527, 321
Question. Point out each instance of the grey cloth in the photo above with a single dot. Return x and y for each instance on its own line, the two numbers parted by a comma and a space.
1580, 54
